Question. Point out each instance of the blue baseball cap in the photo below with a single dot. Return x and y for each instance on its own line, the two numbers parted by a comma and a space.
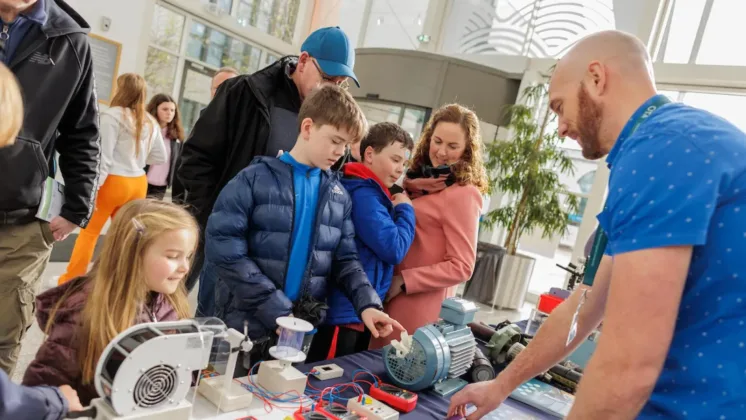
332, 50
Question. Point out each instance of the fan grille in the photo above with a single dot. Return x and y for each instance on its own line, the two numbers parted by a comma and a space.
410, 368
155, 386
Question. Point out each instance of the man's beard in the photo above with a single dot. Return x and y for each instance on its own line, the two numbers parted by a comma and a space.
589, 125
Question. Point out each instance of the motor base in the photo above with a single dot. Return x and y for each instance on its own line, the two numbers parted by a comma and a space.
236, 398
280, 377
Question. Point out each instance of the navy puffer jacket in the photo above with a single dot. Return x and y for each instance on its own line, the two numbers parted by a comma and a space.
248, 242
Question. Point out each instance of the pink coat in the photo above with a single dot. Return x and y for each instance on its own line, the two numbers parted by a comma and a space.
441, 257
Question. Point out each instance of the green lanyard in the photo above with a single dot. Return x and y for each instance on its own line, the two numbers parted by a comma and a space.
601, 240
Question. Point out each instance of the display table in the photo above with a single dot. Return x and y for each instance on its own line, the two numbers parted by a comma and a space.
429, 405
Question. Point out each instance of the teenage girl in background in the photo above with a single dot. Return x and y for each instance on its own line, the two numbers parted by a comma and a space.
445, 182
130, 139
160, 176
139, 277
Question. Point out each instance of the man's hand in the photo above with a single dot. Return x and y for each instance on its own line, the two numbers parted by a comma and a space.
486, 396
61, 228
71, 395
396, 288
379, 324
401, 198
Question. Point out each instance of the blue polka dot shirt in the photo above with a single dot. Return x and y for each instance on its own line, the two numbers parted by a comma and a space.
680, 179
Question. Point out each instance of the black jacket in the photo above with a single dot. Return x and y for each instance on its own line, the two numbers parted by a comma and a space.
233, 129
54, 68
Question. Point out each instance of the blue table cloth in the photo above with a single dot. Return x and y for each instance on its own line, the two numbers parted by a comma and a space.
429, 405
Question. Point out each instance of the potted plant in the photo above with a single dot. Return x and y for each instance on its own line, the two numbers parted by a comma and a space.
526, 168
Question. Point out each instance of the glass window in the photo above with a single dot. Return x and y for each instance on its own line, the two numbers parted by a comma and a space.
270, 59
160, 70
246, 13
166, 29
376, 112
395, 24
413, 122
218, 49
682, 31
724, 27
729, 107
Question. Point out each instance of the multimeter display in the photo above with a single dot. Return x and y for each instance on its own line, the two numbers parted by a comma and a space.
397, 398
397, 392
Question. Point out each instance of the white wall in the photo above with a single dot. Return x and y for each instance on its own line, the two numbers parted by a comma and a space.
130, 26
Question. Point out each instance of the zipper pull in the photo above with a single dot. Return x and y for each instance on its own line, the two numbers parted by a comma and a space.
4, 35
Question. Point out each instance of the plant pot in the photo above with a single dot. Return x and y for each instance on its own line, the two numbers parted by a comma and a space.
512, 281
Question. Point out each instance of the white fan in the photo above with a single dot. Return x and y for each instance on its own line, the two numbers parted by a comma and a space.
146, 371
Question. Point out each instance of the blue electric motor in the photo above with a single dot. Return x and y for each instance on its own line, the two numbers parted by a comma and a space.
441, 353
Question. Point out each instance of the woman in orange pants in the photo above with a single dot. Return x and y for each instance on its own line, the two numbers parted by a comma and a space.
130, 140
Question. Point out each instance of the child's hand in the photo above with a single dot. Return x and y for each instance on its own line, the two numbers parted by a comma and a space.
401, 198
379, 324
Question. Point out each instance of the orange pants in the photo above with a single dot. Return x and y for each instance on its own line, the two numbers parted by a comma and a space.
116, 192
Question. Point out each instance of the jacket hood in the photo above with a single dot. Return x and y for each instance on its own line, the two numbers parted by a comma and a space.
264, 82
357, 175
63, 19
77, 291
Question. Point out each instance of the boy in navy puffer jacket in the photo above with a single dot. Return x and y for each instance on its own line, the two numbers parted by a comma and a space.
281, 233
384, 226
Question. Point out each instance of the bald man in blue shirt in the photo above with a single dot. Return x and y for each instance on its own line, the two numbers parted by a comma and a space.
671, 289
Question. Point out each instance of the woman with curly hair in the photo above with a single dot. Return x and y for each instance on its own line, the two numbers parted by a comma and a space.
445, 181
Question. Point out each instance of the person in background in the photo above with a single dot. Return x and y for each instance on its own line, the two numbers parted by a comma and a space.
256, 115
160, 176
44, 43
671, 289
445, 181
384, 230
223, 74
272, 255
19, 402
131, 139
138, 278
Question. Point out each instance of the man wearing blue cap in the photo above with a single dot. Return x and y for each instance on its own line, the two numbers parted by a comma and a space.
255, 115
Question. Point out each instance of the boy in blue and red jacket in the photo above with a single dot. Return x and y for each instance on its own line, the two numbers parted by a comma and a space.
384, 227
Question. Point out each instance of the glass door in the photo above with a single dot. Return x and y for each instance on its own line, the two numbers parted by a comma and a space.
195, 92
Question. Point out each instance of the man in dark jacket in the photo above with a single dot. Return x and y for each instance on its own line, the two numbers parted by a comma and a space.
281, 233
45, 45
255, 115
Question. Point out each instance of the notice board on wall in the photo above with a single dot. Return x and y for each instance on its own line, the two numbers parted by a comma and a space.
106, 55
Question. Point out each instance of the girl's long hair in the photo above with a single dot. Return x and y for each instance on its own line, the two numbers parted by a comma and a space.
130, 94
470, 169
118, 292
175, 129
